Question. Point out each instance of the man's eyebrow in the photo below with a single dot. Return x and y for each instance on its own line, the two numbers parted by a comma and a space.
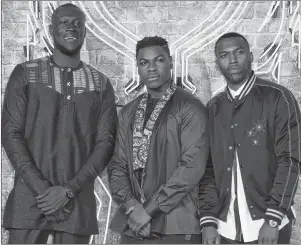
225, 51
161, 55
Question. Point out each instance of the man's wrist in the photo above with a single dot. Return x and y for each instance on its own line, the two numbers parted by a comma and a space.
273, 217
272, 223
208, 221
69, 193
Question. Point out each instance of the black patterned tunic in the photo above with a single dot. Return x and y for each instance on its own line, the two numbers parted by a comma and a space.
58, 128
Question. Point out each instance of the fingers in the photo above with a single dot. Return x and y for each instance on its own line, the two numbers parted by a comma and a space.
51, 211
49, 208
44, 194
131, 209
43, 205
145, 231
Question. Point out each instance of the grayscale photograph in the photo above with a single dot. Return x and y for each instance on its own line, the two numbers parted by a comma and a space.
150, 122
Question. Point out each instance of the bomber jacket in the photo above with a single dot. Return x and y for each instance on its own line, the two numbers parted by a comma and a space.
264, 125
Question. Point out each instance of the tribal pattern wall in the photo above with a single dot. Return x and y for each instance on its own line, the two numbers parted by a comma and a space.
191, 27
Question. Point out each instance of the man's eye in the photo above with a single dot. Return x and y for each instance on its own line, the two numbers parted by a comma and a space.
63, 22
142, 63
161, 60
77, 23
240, 52
223, 56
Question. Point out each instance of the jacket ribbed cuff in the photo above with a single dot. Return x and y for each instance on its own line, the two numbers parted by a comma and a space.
207, 221
273, 214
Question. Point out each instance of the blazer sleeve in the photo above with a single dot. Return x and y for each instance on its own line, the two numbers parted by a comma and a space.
193, 135
118, 172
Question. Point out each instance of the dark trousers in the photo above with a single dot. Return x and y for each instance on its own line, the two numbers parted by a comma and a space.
283, 238
166, 239
17, 236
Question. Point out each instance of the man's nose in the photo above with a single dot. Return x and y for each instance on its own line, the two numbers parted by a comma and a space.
70, 27
152, 66
232, 59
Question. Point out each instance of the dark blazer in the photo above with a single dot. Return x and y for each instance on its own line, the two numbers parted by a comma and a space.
176, 162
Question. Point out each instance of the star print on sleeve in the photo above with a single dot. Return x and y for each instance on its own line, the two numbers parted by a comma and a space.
256, 142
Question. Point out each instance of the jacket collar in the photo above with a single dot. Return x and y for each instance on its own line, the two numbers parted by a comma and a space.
246, 88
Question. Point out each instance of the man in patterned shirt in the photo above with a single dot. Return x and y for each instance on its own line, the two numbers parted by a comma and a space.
58, 130
160, 156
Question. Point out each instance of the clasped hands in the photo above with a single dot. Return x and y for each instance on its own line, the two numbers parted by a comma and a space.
52, 200
139, 220
267, 235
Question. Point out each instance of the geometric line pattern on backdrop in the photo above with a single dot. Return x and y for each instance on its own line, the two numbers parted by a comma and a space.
181, 49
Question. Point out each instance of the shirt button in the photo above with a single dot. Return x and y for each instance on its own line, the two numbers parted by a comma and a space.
68, 97
235, 124
251, 206
227, 189
238, 145
246, 187
232, 126
228, 169
68, 84
62, 69
69, 69
230, 148
253, 215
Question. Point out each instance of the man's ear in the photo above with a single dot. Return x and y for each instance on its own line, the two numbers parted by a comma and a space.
85, 32
171, 62
51, 30
216, 64
251, 57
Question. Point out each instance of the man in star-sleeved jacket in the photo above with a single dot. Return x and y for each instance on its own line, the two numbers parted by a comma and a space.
255, 141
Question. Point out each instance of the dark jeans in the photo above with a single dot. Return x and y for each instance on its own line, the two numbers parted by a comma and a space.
165, 239
17, 236
283, 238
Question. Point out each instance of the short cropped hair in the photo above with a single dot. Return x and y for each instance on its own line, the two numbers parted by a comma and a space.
229, 35
152, 41
66, 5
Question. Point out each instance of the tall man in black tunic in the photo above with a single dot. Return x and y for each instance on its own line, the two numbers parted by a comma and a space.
58, 130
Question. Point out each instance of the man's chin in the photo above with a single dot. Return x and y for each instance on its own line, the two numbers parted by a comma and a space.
235, 78
68, 51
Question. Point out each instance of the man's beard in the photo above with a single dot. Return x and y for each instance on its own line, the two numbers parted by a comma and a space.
239, 77
63, 50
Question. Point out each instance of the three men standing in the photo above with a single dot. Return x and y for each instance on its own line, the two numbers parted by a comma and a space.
58, 130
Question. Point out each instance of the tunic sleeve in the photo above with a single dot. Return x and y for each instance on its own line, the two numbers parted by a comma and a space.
118, 172
13, 129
